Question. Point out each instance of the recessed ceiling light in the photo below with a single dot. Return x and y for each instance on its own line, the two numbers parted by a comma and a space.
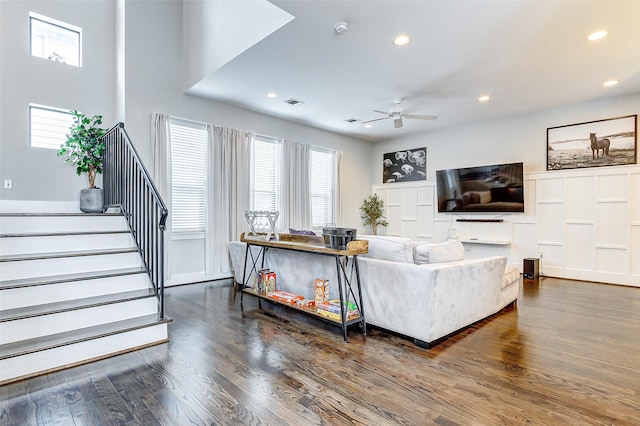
610, 83
597, 35
368, 126
401, 40
484, 98
271, 95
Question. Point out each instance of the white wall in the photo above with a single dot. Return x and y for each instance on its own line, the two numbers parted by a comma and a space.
154, 76
601, 245
37, 173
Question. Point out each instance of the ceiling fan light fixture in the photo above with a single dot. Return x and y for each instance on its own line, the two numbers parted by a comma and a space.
401, 40
597, 35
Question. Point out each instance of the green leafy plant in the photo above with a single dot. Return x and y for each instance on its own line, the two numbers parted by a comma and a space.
84, 146
372, 212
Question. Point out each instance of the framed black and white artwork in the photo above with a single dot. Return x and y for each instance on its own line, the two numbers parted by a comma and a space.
404, 166
608, 142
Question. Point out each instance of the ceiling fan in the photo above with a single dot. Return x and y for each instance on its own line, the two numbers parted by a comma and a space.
398, 112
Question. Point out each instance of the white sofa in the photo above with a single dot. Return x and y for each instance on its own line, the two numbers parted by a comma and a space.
420, 290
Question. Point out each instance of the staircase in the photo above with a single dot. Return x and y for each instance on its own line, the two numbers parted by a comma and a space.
73, 289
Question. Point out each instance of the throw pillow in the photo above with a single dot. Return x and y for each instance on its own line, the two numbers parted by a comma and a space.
301, 232
395, 249
449, 251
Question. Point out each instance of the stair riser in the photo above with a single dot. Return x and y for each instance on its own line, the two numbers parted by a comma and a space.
19, 224
57, 358
28, 328
49, 244
51, 293
70, 265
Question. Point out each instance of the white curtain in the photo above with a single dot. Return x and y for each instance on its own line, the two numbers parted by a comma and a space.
338, 187
296, 197
228, 193
161, 174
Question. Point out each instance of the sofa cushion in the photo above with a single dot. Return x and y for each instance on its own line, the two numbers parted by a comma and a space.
511, 275
396, 249
449, 251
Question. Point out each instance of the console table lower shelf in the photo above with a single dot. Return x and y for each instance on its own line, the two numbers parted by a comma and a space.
309, 311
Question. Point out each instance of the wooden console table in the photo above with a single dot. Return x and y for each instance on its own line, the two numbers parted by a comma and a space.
315, 245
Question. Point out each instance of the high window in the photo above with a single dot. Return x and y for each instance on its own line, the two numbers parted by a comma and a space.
323, 178
55, 40
188, 177
48, 126
265, 174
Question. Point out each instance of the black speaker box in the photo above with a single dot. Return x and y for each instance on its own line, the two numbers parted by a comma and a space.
531, 268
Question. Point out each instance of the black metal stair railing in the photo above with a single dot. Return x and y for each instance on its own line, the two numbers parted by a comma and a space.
128, 186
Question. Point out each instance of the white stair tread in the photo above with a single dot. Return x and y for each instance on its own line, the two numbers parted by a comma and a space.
70, 305
75, 336
61, 254
55, 279
60, 234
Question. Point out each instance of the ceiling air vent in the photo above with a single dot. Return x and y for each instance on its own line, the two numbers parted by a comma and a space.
351, 120
293, 101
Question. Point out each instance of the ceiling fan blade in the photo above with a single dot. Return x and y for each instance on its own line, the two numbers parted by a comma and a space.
397, 122
375, 119
408, 111
421, 117
381, 112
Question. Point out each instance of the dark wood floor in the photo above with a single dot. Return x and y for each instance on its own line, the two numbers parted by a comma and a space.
569, 354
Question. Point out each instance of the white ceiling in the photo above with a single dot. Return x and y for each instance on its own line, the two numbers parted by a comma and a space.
527, 54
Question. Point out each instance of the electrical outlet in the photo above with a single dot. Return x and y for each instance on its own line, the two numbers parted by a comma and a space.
8, 184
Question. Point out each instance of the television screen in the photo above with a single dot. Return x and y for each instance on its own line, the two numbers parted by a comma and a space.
496, 189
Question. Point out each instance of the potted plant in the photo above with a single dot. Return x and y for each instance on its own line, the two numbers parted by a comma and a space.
372, 212
83, 150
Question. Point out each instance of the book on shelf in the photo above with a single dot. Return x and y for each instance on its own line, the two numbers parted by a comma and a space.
338, 317
284, 296
334, 306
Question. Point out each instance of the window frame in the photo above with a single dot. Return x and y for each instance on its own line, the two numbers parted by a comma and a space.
331, 197
189, 234
277, 171
33, 106
59, 24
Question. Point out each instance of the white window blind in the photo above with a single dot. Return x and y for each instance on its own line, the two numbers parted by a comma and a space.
265, 173
55, 40
48, 126
188, 176
322, 187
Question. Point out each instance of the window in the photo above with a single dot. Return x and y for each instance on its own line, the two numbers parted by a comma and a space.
323, 177
48, 126
188, 177
55, 40
265, 174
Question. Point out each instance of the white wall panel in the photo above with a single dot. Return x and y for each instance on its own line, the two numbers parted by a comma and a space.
552, 216
580, 243
612, 187
550, 190
424, 226
611, 260
523, 243
553, 255
425, 194
409, 203
635, 250
395, 220
580, 198
635, 198
613, 224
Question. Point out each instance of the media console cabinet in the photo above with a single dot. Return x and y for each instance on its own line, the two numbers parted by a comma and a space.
314, 245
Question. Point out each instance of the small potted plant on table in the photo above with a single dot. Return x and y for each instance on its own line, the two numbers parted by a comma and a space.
372, 212
83, 150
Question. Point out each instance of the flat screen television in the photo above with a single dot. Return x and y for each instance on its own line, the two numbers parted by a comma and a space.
496, 189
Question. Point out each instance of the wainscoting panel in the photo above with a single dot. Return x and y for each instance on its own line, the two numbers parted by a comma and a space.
580, 242
581, 223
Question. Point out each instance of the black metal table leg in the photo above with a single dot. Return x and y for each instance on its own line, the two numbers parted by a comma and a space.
340, 271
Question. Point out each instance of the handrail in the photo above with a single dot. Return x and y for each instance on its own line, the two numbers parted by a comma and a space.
128, 186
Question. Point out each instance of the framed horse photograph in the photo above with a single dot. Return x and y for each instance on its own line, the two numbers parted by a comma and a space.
607, 142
